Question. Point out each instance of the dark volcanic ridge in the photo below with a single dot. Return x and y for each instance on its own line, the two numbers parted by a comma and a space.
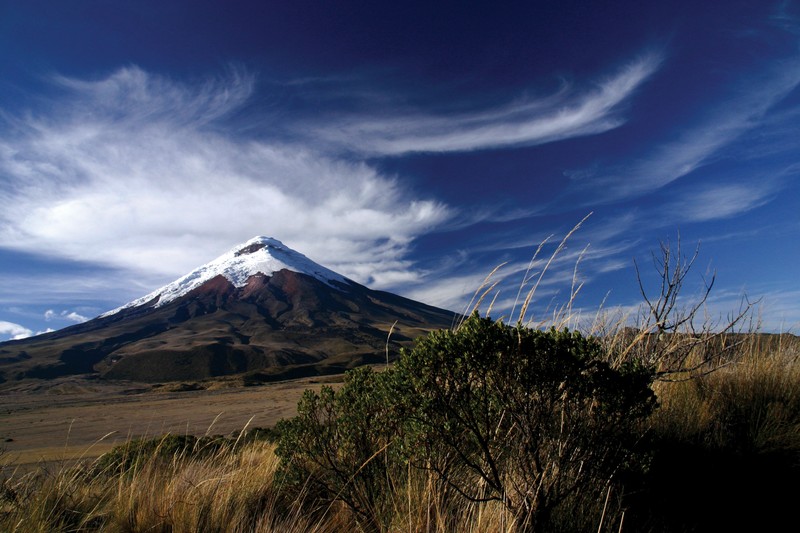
267, 325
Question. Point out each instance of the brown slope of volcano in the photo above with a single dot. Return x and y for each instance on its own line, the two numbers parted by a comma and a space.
280, 326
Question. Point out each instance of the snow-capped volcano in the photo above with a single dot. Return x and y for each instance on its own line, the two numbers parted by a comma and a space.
259, 255
260, 310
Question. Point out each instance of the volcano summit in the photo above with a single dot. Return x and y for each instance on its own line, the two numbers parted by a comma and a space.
262, 309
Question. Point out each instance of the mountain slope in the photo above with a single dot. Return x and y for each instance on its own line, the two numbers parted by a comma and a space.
261, 309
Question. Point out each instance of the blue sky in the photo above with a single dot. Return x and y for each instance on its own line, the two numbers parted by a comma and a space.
412, 146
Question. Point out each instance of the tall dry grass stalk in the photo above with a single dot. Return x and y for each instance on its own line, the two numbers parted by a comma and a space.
562, 316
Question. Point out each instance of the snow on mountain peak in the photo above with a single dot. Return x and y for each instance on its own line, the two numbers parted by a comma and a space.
259, 255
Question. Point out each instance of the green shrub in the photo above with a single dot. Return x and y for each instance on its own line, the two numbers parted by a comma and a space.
533, 419
339, 447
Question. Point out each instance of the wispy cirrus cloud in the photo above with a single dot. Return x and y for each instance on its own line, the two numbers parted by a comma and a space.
596, 248
87, 288
722, 201
135, 171
698, 145
566, 114
780, 311
136, 96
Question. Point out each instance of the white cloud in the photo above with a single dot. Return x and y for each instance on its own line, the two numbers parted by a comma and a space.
722, 201
596, 248
453, 292
781, 311
15, 331
522, 123
71, 316
132, 171
699, 145
140, 97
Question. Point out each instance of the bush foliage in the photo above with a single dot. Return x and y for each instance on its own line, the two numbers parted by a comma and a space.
339, 447
530, 418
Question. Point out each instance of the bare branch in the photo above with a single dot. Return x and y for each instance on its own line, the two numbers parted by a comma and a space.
669, 338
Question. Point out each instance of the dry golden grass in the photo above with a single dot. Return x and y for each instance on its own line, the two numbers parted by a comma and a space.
229, 491
751, 401
749, 407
